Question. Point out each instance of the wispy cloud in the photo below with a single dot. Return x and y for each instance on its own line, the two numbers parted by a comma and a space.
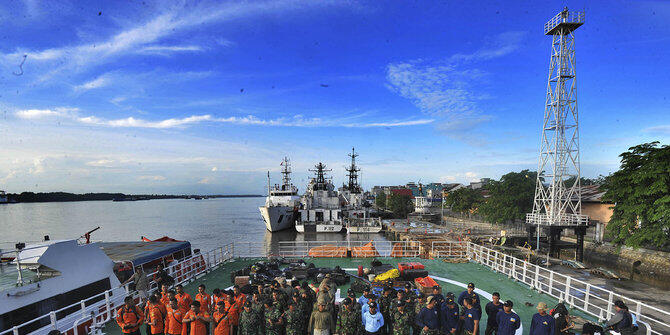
166, 50
98, 82
152, 178
447, 88
144, 36
660, 130
355, 121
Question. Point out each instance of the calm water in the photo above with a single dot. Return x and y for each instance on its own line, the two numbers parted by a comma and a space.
205, 223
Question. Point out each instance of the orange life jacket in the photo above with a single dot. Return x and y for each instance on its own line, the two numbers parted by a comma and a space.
173, 321
125, 316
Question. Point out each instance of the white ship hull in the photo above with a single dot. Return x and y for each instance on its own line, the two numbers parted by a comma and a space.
364, 230
278, 218
310, 227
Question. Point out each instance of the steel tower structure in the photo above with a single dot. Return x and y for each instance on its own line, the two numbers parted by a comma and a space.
559, 201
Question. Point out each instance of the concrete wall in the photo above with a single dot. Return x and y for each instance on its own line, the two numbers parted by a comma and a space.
654, 266
598, 211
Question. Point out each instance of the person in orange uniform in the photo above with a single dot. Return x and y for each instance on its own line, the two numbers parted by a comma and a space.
240, 298
233, 310
156, 316
203, 298
221, 320
217, 296
129, 317
174, 318
195, 322
183, 298
165, 298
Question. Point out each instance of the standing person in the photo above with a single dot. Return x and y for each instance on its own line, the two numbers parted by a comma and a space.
542, 323
402, 320
250, 323
492, 309
240, 298
418, 306
165, 295
141, 284
161, 276
129, 317
363, 300
622, 321
437, 296
508, 321
294, 320
183, 298
156, 316
474, 297
385, 306
217, 296
471, 317
373, 321
428, 318
321, 321
273, 322
232, 310
203, 298
349, 319
449, 316
174, 319
195, 321
221, 320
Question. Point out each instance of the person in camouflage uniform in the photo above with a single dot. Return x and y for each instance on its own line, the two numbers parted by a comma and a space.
294, 320
257, 305
278, 301
249, 323
273, 321
385, 308
349, 320
306, 307
418, 305
402, 320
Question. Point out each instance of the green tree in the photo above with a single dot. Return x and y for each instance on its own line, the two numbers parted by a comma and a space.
641, 191
380, 200
400, 205
463, 200
510, 198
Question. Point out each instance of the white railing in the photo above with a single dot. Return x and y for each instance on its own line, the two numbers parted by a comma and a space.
575, 293
103, 306
294, 249
569, 17
448, 249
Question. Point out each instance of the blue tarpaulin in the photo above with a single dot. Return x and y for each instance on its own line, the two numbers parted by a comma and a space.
142, 252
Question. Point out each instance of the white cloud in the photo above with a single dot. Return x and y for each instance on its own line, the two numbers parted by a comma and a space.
152, 178
101, 81
205, 181
214, 169
660, 130
165, 50
38, 166
295, 121
41, 113
447, 89
101, 163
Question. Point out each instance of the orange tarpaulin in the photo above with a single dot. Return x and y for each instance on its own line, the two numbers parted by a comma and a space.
425, 282
400, 250
328, 250
368, 250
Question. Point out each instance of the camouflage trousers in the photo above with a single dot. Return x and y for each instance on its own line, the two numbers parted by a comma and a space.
430, 332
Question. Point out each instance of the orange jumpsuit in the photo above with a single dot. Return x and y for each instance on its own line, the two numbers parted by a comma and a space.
184, 301
233, 311
156, 315
127, 316
165, 299
240, 299
222, 322
216, 299
205, 301
173, 321
197, 327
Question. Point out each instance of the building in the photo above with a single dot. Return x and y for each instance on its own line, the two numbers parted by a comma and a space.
598, 211
475, 185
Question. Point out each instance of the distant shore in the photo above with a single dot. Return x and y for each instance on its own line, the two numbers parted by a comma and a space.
26, 197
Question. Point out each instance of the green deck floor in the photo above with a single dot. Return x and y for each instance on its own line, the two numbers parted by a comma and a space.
483, 278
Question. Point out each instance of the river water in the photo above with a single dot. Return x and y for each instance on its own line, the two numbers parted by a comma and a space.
207, 223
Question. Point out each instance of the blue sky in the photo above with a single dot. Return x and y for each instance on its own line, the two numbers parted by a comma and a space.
204, 97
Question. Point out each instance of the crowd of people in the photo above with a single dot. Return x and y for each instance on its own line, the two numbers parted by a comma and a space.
282, 309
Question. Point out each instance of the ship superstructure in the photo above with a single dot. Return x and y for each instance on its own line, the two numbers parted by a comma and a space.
320, 209
355, 208
282, 202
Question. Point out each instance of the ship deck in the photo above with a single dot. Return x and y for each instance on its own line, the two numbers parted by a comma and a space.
453, 277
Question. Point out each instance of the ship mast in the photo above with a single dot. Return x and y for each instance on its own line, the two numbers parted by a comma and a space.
320, 181
286, 174
352, 173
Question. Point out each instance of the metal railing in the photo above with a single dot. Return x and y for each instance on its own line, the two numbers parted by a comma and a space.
103, 306
448, 249
588, 298
564, 17
373, 248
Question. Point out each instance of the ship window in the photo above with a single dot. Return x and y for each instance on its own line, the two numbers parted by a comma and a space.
319, 217
281, 217
27, 313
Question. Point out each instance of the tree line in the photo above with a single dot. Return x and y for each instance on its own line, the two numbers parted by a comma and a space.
639, 193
